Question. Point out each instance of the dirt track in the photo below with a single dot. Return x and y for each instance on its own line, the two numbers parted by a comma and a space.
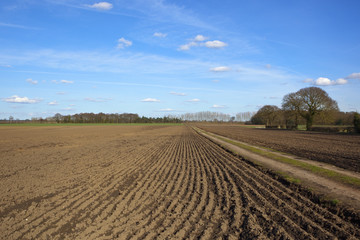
340, 150
106, 182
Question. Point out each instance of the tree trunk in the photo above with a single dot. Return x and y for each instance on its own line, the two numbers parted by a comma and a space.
309, 122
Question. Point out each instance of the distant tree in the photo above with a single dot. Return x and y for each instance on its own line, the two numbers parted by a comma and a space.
309, 102
291, 106
58, 117
314, 101
268, 115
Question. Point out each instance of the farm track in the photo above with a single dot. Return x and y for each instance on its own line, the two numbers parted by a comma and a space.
340, 150
161, 183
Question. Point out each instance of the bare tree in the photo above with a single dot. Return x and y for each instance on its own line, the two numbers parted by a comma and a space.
309, 102
291, 106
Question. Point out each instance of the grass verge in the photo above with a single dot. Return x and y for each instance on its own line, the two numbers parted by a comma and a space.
339, 177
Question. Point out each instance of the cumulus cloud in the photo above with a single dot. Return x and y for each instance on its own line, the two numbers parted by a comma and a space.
160, 35
220, 69
199, 41
199, 38
215, 44
123, 43
34, 82
150, 100
218, 106
101, 6
354, 76
17, 99
178, 94
322, 81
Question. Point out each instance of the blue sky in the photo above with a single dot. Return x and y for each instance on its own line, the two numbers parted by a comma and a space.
160, 57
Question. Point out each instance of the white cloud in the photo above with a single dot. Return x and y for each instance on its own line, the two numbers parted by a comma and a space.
321, 81
218, 106
268, 66
53, 103
200, 38
123, 43
66, 81
215, 80
198, 41
194, 100
187, 46
178, 94
354, 76
215, 44
308, 80
159, 34
62, 81
341, 81
34, 82
5, 65
101, 6
61, 93
220, 69
17, 99
150, 100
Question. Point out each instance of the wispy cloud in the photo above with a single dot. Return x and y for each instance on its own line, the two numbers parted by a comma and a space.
62, 81
354, 76
150, 100
220, 69
2, 24
218, 106
53, 103
166, 110
159, 34
178, 94
17, 99
34, 82
123, 43
195, 100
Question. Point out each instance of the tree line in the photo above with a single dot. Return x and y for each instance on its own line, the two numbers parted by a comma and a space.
110, 118
307, 106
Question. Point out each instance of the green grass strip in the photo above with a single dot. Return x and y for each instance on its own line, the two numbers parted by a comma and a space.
307, 166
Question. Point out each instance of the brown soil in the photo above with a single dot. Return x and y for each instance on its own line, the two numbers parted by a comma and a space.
121, 182
341, 150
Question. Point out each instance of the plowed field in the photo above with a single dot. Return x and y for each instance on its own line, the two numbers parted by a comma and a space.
341, 150
145, 182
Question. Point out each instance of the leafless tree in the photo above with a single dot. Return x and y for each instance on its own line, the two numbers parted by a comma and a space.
309, 102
